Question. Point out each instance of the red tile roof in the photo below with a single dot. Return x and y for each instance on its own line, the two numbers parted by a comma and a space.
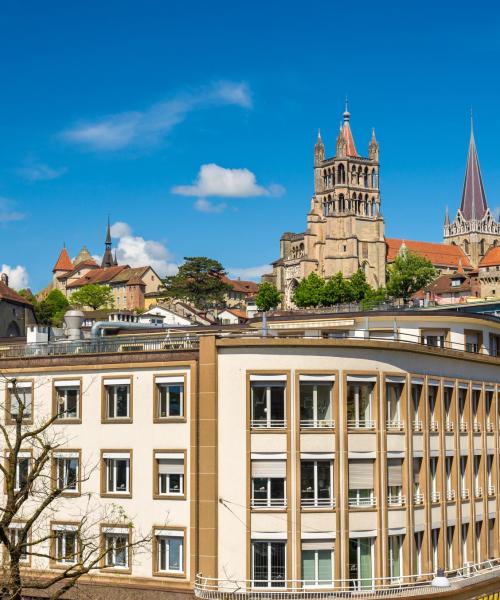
492, 258
241, 314
244, 287
7, 293
440, 255
98, 276
87, 263
63, 263
347, 133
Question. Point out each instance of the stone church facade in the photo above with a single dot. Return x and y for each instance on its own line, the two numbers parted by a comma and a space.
345, 225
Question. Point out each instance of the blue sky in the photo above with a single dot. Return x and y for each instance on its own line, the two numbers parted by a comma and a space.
137, 108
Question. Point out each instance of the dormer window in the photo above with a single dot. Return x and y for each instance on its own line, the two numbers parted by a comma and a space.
456, 282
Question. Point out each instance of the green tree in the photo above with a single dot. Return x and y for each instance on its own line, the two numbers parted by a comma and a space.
200, 280
337, 290
409, 273
309, 291
268, 297
373, 298
50, 311
360, 288
93, 295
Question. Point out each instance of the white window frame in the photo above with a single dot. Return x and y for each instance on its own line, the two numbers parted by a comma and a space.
317, 423
61, 464
167, 385
111, 463
256, 582
358, 423
358, 561
60, 536
269, 501
316, 502
17, 478
14, 533
62, 401
168, 491
21, 387
268, 423
316, 582
163, 541
393, 577
114, 400
111, 549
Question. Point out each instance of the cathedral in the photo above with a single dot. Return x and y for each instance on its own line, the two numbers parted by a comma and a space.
345, 224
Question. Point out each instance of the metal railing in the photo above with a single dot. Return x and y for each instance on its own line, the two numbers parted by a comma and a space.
435, 497
476, 427
434, 426
317, 424
405, 586
464, 494
362, 502
398, 500
103, 345
268, 502
417, 425
317, 502
268, 423
464, 427
360, 424
450, 495
395, 425
418, 498
449, 426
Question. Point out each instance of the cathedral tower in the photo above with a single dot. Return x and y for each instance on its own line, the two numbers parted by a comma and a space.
474, 229
107, 259
345, 226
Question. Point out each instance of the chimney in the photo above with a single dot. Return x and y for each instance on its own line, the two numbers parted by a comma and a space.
4, 278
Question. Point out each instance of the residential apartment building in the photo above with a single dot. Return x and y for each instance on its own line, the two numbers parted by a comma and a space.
335, 453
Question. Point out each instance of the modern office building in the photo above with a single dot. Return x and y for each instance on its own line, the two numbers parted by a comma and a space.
337, 453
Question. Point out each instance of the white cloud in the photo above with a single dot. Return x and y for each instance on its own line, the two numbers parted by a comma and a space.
135, 251
18, 276
40, 172
250, 272
7, 211
149, 126
204, 205
213, 180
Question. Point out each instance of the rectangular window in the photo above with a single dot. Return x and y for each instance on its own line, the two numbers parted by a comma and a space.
169, 397
170, 473
359, 405
463, 478
15, 539
67, 471
393, 393
268, 404
434, 337
170, 551
395, 557
477, 476
269, 564
448, 465
450, 533
316, 404
117, 400
447, 399
478, 530
117, 473
361, 482
268, 483
433, 467
22, 471
489, 474
316, 477
66, 544
416, 393
418, 497
395, 482
21, 400
432, 392
434, 548
317, 563
117, 545
68, 399
465, 535
471, 342
417, 557
361, 563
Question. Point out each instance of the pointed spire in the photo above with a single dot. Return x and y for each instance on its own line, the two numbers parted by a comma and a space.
446, 218
63, 262
107, 259
115, 260
474, 203
346, 132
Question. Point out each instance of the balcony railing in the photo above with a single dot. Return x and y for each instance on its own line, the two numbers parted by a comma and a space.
360, 424
434, 426
398, 500
450, 495
464, 427
476, 427
464, 494
435, 496
489, 426
317, 424
478, 492
449, 426
395, 425
268, 424
417, 425
362, 502
491, 490
418, 498
268, 502
317, 502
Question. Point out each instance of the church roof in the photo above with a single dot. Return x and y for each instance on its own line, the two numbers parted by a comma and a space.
8, 294
63, 263
101, 275
474, 204
347, 133
440, 255
491, 258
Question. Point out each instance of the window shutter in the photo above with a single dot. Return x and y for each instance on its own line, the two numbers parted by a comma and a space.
318, 545
170, 466
394, 472
361, 474
269, 468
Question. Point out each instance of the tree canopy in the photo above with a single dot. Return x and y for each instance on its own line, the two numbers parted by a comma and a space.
409, 273
200, 280
49, 311
268, 297
93, 295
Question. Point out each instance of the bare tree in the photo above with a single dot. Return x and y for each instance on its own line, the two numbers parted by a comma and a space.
34, 494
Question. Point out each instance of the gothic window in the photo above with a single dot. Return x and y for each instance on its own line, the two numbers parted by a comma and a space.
364, 249
374, 179
341, 203
325, 179
353, 175
341, 174
365, 177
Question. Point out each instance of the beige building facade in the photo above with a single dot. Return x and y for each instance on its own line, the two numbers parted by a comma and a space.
336, 453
